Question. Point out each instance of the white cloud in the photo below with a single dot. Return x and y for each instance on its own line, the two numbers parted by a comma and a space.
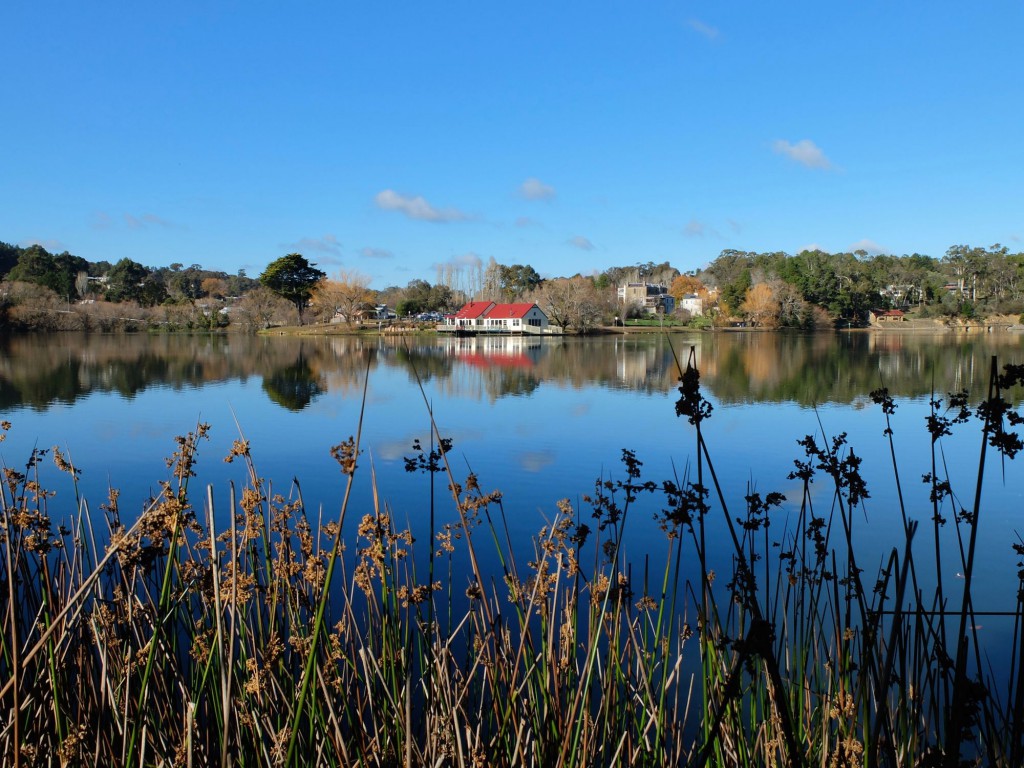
376, 253
393, 450
694, 228
146, 220
416, 207
697, 228
535, 189
469, 259
734, 226
711, 33
870, 246
536, 461
805, 152
581, 242
102, 220
810, 247
326, 244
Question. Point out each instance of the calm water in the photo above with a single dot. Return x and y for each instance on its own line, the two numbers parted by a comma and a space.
538, 419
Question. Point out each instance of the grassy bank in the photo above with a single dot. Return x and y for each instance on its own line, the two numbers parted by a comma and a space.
281, 636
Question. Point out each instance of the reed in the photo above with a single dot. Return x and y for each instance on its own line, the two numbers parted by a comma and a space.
290, 638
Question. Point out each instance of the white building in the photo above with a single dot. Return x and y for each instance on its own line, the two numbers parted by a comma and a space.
693, 304
486, 316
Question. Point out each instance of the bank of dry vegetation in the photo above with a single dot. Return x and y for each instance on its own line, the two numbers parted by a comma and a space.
288, 636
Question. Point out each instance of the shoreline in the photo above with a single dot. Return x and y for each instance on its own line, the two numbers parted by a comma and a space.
998, 324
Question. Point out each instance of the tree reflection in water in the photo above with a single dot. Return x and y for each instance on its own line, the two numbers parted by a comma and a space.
37, 371
294, 386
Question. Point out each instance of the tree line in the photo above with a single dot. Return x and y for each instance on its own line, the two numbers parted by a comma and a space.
811, 289
815, 287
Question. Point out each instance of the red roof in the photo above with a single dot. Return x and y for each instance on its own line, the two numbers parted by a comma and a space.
497, 360
506, 311
474, 309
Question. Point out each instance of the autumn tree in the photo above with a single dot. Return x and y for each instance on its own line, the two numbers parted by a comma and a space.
215, 286
292, 278
760, 306
686, 285
345, 294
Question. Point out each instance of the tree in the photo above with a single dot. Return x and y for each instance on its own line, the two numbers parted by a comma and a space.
239, 284
685, 285
185, 285
974, 268
574, 303
517, 280
67, 267
151, 292
294, 386
292, 278
794, 312
733, 294
760, 306
420, 296
814, 275
82, 283
124, 281
728, 268
8, 257
346, 294
415, 298
35, 265
441, 298
258, 308
215, 286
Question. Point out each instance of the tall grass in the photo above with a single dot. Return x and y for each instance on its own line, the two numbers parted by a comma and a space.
289, 638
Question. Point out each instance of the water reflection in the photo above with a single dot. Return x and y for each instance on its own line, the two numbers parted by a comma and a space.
294, 386
42, 370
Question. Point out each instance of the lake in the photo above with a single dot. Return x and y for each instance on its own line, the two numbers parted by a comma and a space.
538, 419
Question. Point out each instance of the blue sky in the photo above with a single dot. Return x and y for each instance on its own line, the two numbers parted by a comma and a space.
389, 138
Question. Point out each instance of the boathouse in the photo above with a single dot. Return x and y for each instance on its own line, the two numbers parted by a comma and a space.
489, 317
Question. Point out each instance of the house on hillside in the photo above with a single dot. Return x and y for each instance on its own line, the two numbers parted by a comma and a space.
652, 297
488, 317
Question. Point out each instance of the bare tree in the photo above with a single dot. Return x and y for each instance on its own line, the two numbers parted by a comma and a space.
258, 308
347, 293
573, 303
